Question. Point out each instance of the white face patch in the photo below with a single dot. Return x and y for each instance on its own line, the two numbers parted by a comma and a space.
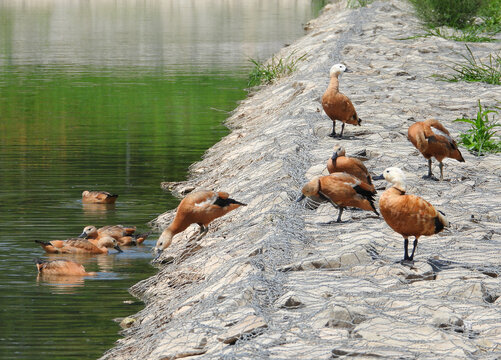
207, 202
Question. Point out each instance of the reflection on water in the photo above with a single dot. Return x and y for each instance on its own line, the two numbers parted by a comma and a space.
118, 96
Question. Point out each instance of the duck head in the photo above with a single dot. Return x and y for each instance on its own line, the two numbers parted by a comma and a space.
338, 70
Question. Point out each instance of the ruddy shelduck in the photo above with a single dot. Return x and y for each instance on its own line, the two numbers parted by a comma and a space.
408, 215
123, 234
432, 139
336, 105
341, 190
61, 267
200, 208
339, 162
79, 246
98, 197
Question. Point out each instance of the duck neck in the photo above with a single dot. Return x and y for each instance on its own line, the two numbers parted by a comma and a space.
334, 83
400, 186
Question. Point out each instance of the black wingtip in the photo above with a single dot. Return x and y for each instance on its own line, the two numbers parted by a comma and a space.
42, 242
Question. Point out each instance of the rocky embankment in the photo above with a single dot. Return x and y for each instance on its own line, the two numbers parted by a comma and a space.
271, 281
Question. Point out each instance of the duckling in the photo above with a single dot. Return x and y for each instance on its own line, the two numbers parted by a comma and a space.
341, 163
98, 197
61, 267
341, 190
432, 139
79, 246
200, 207
123, 234
336, 105
408, 215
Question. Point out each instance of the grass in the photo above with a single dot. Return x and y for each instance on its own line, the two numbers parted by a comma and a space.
359, 3
472, 20
453, 13
474, 70
265, 73
470, 34
479, 138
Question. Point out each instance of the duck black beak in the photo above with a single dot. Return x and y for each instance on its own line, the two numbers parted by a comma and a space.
117, 248
300, 198
347, 70
379, 177
334, 156
83, 235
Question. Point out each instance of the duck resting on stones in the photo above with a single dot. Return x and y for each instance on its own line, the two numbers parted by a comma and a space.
408, 215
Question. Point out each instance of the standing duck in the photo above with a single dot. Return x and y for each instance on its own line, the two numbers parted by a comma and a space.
79, 246
123, 234
408, 215
336, 105
432, 139
61, 267
341, 163
341, 190
200, 208
98, 197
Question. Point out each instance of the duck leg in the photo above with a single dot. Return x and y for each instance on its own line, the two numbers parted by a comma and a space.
413, 249
340, 213
342, 129
203, 231
441, 166
406, 251
333, 133
430, 174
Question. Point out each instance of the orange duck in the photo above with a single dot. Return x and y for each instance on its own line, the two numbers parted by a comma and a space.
123, 234
341, 163
341, 190
432, 139
61, 267
98, 197
79, 246
408, 215
200, 208
336, 105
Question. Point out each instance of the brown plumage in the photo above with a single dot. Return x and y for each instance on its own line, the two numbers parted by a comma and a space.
123, 234
61, 267
79, 246
341, 163
341, 190
98, 197
200, 208
336, 105
432, 139
409, 215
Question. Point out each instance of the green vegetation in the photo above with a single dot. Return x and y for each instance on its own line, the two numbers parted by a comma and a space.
359, 3
472, 20
265, 73
479, 138
474, 70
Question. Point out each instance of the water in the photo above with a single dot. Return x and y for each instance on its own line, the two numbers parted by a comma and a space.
115, 96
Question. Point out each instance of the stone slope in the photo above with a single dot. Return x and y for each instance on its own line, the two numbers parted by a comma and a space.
271, 281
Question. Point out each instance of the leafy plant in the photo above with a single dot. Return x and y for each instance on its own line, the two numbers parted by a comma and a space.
265, 73
479, 138
474, 70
